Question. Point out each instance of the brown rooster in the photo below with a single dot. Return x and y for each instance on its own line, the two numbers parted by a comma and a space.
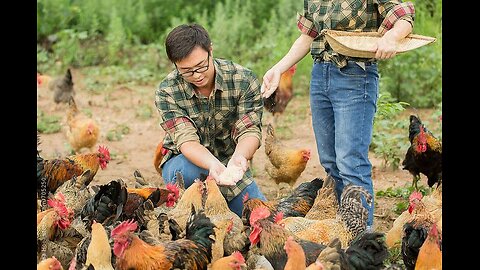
193, 253
137, 197
62, 88
297, 204
54, 172
82, 131
286, 164
58, 216
278, 100
430, 254
424, 154
168, 195
51, 224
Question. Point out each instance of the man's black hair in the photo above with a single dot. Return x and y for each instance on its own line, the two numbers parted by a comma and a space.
183, 39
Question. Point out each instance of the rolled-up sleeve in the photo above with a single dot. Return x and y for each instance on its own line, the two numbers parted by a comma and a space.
392, 11
305, 22
250, 110
174, 120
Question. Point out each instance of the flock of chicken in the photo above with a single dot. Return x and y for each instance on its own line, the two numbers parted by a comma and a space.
113, 226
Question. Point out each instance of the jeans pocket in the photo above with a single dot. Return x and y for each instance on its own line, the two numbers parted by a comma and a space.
354, 69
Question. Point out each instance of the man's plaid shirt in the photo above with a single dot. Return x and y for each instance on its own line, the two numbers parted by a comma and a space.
349, 15
233, 111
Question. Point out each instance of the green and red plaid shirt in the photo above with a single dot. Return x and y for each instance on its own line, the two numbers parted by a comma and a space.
232, 111
349, 15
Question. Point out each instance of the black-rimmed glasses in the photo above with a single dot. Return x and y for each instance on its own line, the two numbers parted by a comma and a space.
197, 70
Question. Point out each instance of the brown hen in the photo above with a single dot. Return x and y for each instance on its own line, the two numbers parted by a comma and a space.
83, 131
286, 164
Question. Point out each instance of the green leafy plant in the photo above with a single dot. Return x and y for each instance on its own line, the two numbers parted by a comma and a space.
402, 192
387, 143
48, 123
118, 132
144, 112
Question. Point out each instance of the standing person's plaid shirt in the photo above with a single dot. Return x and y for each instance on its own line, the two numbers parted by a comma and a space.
233, 111
349, 15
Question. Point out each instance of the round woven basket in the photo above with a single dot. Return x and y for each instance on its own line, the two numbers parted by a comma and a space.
359, 44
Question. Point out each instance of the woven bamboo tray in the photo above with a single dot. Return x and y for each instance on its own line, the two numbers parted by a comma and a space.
358, 44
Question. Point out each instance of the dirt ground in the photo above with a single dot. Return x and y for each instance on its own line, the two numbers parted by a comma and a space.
119, 107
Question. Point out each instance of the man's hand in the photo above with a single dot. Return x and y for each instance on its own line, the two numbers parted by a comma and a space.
236, 168
385, 48
238, 161
271, 79
216, 169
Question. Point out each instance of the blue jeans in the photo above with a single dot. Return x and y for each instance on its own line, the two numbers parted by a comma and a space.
343, 103
190, 172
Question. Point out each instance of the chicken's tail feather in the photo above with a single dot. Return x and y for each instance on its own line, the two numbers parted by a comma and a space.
367, 251
200, 229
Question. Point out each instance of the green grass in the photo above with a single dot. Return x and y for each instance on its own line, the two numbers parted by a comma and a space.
48, 124
118, 132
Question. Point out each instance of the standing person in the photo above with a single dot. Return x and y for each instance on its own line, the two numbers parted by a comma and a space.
344, 90
211, 110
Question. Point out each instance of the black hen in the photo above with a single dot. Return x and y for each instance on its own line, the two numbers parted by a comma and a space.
301, 198
424, 154
412, 240
367, 251
63, 88
107, 204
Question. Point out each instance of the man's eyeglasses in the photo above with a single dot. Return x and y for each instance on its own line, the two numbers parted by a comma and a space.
197, 70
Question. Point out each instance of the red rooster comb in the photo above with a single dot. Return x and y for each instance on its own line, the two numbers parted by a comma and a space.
412, 199
126, 226
173, 188
238, 256
259, 213
415, 195
58, 204
104, 150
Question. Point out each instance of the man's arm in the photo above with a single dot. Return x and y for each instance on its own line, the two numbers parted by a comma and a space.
244, 151
387, 44
201, 156
299, 49
396, 25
